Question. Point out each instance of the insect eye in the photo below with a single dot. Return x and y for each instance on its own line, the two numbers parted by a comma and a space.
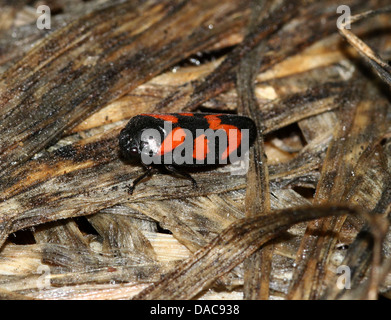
133, 151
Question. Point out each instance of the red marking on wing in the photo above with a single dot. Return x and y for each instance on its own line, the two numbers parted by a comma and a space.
187, 114
213, 120
175, 138
233, 140
165, 117
200, 149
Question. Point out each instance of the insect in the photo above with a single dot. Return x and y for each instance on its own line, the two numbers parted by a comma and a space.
176, 141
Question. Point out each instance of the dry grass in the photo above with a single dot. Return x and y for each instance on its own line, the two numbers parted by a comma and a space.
316, 195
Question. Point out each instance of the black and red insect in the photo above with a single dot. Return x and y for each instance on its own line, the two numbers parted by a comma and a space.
175, 141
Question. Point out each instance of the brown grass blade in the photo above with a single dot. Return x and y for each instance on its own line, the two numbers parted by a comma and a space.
227, 250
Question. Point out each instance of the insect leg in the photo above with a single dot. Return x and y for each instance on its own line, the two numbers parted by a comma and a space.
150, 171
176, 171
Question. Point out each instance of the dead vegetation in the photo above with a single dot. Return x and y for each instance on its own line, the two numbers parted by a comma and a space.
316, 195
